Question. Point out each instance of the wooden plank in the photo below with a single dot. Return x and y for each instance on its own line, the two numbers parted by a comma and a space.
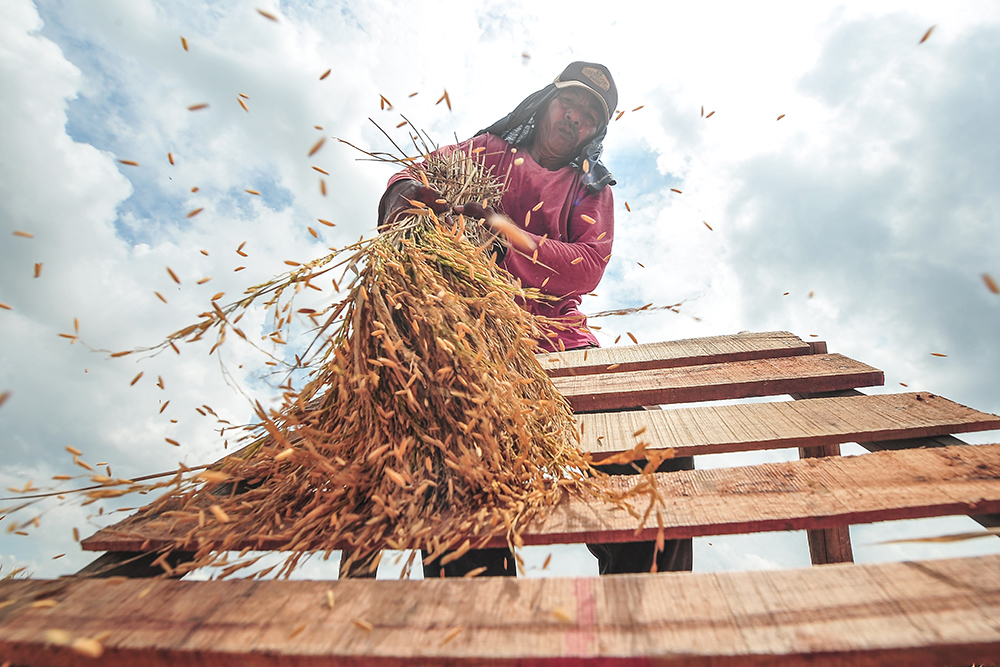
817, 422
739, 379
671, 354
813, 493
807, 494
926, 613
985, 520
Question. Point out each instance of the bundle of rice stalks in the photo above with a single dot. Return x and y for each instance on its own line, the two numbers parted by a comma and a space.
425, 421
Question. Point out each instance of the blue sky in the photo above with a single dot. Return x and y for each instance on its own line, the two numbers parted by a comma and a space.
875, 192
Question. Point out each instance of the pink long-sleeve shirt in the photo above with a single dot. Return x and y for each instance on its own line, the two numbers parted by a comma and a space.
572, 251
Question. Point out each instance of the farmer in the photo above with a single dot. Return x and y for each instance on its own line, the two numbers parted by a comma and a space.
558, 193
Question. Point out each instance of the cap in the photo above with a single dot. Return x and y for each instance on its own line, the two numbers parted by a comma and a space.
595, 78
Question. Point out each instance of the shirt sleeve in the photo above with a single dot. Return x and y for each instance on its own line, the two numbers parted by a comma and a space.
574, 265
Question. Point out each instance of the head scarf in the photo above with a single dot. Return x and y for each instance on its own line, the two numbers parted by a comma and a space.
518, 129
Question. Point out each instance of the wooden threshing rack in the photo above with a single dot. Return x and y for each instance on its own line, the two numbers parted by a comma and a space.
940, 612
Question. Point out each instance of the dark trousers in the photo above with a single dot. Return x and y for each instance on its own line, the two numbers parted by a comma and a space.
633, 557
498, 562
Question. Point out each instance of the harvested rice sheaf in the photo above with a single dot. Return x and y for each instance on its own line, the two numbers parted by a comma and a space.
426, 421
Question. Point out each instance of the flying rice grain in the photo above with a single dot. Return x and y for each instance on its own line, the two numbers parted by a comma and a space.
562, 614
318, 145
325, 74
198, 107
450, 635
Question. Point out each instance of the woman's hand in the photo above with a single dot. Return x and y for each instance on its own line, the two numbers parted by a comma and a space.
499, 224
402, 195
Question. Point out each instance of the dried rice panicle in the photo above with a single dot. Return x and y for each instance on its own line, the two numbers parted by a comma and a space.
426, 421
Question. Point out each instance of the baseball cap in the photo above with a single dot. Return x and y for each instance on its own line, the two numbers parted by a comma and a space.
595, 78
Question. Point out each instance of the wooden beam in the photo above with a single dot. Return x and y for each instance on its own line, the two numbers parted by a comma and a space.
827, 545
813, 493
671, 354
926, 613
738, 379
818, 422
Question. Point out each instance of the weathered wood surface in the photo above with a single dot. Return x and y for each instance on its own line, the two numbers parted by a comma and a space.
807, 494
738, 379
816, 422
670, 354
928, 613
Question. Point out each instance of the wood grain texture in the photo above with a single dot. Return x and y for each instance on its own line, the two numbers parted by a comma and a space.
670, 354
738, 379
817, 422
927, 613
812, 493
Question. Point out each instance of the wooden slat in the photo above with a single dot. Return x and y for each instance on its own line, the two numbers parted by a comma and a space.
926, 613
816, 422
986, 520
813, 493
671, 354
739, 379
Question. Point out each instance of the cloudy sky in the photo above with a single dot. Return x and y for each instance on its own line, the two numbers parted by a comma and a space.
872, 203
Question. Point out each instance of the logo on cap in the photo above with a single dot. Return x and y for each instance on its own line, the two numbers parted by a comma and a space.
598, 77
